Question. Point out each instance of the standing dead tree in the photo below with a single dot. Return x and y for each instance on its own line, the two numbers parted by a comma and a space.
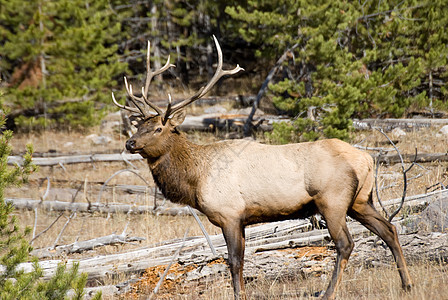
248, 124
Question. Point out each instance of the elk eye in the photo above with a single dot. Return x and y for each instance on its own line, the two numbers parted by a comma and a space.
159, 129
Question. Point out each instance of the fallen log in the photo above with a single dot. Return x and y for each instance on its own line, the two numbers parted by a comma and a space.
78, 247
409, 158
305, 262
416, 200
76, 159
405, 124
196, 248
31, 204
227, 122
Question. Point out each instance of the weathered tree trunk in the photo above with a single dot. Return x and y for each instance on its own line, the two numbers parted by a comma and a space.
75, 159
30, 204
248, 124
389, 124
78, 247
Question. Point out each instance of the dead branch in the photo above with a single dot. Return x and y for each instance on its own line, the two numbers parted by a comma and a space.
372, 148
63, 228
123, 155
57, 218
207, 237
175, 256
42, 198
410, 158
35, 223
46, 229
405, 180
115, 174
434, 187
377, 189
47, 191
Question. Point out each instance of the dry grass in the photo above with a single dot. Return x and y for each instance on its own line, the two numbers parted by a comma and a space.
377, 283
430, 282
85, 226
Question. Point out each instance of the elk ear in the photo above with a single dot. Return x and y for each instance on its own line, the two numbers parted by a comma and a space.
178, 118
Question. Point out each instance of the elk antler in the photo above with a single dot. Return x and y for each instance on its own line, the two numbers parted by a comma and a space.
144, 111
205, 89
171, 109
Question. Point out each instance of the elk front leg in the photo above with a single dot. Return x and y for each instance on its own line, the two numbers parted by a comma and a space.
234, 236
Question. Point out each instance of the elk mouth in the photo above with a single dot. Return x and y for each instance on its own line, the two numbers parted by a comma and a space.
139, 151
136, 151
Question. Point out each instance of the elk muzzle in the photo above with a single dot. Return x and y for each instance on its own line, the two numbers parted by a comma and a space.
130, 145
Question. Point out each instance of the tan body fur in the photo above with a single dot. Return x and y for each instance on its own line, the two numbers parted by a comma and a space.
259, 183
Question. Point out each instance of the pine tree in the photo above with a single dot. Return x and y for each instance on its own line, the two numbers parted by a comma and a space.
14, 247
60, 59
351, 60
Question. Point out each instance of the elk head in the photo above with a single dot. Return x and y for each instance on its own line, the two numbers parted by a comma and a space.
157, 125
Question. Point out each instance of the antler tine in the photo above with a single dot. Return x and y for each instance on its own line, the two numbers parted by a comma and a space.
205, 89
132, 109
144, 111
136, 99
150, 74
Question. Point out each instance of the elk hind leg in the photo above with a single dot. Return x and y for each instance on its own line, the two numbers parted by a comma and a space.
367, 215
338, 230
234, 236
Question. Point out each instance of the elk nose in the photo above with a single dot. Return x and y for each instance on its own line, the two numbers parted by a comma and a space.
130, 144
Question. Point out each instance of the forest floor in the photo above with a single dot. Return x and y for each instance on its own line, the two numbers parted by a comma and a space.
83, 181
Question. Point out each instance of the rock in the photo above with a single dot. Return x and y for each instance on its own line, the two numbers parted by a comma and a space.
102, 140
99, 139
92, 136
215, 109
443, 131
398, 132
434, 218
68, 145
109, 126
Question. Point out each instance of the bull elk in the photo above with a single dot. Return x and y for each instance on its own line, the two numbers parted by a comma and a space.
238, 183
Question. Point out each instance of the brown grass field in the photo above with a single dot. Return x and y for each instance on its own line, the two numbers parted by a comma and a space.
430, 279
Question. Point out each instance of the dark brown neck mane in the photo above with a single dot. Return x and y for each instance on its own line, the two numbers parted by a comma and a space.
177, 172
